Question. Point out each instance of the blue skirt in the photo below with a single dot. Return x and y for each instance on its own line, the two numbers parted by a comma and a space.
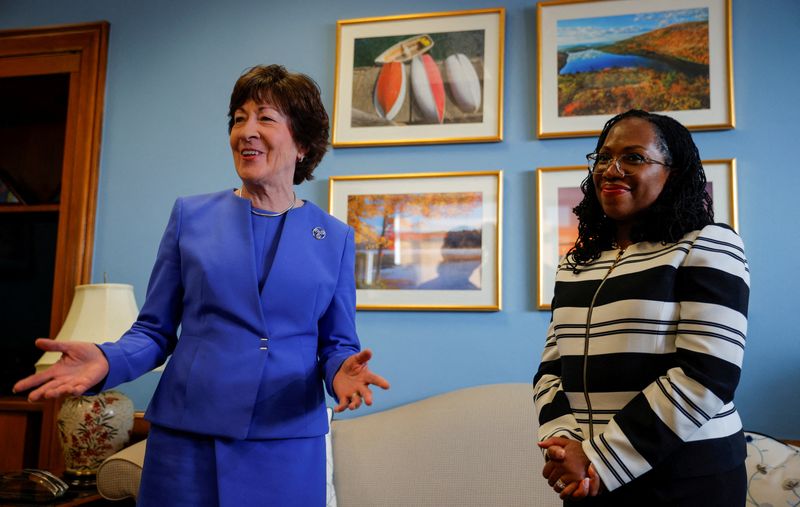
186, 469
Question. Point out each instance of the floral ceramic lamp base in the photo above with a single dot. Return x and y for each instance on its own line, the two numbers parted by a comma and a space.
92, 428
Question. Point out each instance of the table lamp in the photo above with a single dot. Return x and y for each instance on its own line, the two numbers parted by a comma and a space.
91, 428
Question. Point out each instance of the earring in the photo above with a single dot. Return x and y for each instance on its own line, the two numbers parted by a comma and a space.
301, 158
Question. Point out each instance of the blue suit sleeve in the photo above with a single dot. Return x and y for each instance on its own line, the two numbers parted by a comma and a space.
153, 336
337, 327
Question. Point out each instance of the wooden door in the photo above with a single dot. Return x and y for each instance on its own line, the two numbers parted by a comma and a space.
77, 52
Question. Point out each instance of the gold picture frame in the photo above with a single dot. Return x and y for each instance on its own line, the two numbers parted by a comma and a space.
721, 183
424, 241
600, 58
419, 79
558, 192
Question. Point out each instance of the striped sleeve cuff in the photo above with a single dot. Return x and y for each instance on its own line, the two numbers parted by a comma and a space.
614, 457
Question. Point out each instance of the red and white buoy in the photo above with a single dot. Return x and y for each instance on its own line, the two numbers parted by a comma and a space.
428, 88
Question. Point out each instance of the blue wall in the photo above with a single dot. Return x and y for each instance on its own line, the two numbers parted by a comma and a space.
171, 66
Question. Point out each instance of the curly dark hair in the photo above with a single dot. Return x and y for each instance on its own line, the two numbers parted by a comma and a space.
684, 205
297, 97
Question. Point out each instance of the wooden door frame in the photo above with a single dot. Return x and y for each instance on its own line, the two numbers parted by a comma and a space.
88, 42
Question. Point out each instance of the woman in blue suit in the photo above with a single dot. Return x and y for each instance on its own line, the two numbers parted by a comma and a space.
262, 286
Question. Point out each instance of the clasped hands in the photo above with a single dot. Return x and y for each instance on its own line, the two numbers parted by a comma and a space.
568, 470
351, 383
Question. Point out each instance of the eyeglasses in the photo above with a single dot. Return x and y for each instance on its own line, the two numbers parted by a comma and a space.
626, 164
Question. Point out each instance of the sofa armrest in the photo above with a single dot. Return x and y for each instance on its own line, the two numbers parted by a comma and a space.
119, 475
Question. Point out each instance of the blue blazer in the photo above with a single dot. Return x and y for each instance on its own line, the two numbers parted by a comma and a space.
231, 345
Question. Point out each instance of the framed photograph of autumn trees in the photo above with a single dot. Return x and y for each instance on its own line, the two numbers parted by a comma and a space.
424, 241
600, 58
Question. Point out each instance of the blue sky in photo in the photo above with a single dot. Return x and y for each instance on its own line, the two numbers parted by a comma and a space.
465, 221
570, 32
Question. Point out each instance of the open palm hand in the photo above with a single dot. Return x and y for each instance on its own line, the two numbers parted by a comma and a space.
81, 366
351, 383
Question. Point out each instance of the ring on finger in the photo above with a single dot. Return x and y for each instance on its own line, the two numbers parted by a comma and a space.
559, 485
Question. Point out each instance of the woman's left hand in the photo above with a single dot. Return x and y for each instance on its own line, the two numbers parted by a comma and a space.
351, 383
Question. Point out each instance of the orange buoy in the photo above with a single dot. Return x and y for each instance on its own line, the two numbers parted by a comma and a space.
390, 90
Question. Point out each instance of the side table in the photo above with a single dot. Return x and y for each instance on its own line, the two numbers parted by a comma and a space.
88, 497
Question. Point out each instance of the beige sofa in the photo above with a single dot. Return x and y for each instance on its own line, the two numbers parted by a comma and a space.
471, 447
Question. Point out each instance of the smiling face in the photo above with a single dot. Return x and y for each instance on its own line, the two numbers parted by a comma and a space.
264, 151
625, 198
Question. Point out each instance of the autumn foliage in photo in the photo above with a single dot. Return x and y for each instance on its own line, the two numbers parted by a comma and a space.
681, 82
684, 41
425, 218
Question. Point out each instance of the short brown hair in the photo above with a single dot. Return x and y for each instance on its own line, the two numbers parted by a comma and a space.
297, 97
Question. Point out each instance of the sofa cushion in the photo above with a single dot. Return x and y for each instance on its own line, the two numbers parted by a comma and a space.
471, 447
773, 471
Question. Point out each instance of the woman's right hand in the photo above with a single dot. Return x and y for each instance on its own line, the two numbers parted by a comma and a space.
82, 365
568, 470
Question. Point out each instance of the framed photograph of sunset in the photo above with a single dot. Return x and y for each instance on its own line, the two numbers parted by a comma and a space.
558, 191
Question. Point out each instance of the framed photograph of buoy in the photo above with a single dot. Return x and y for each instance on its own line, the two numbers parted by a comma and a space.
600, 58
419, 79
558, 191
424, 241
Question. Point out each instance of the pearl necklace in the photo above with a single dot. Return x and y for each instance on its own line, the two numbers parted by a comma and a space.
259, 213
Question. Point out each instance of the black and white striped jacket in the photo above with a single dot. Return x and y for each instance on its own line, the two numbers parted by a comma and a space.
666, 336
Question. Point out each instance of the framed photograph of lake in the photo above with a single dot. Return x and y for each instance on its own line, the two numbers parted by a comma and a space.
424, 241
558, 191
600, 58
419, 79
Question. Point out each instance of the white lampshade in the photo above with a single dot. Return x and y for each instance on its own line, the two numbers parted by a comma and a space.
100, 313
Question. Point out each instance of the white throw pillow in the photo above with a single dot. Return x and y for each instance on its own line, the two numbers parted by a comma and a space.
330, 492
773, 472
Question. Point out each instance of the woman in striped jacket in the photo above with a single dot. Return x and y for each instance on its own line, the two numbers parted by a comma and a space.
635, 390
